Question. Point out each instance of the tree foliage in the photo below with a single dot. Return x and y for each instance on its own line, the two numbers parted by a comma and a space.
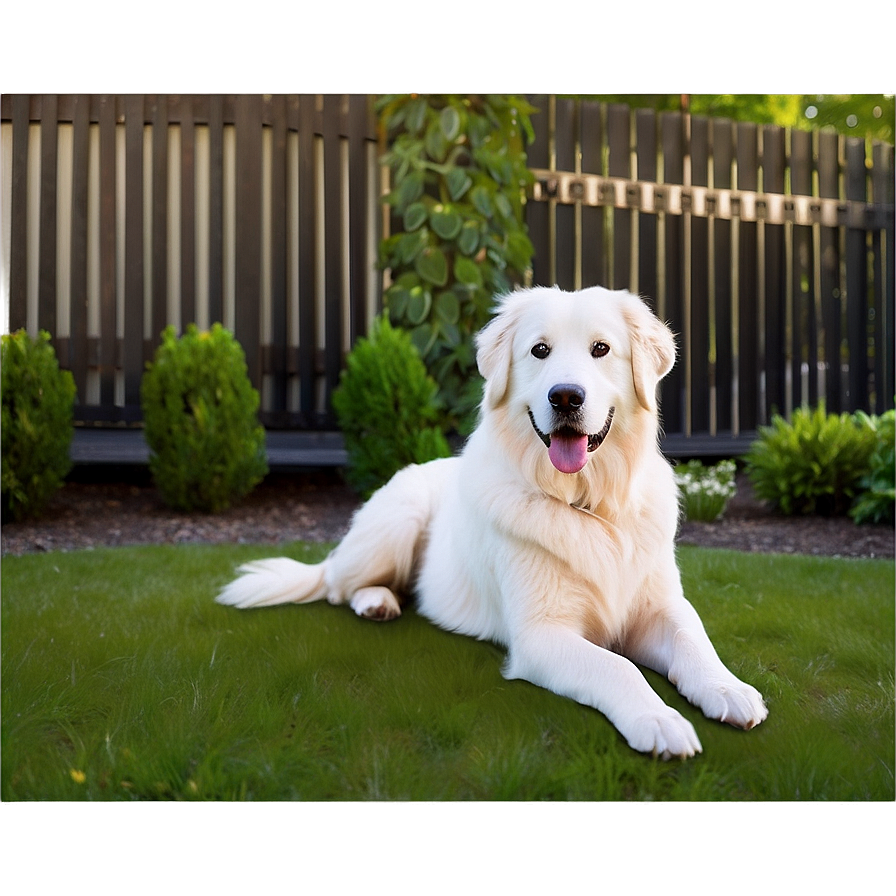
855, 115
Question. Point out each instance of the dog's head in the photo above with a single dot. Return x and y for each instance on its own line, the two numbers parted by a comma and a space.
577, 366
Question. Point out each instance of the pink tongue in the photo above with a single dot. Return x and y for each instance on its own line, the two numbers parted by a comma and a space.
568, 453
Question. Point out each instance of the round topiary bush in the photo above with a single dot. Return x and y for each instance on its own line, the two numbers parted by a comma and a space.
207, 448
386, 406
37, 423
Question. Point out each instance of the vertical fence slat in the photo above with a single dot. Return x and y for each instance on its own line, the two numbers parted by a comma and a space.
886, 190
134, 274
722, 134
777, 335
108, 348
702, 386
829, 262
247, 120
333, 128
645, 130
805, 324
882, 187
856, 278
186, 115
307, 259
277, 350
746, 368
538, 213
593, 255
360, 271
619, 165
46, 313
18, 254
158, 109
78, 350
565, 141
215, 209
672, 140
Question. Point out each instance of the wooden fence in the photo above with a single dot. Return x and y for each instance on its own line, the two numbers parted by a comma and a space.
127, 213
769, 251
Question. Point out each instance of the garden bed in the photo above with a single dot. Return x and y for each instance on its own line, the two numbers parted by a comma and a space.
317, 506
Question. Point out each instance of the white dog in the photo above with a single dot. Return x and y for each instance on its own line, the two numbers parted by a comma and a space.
553, 532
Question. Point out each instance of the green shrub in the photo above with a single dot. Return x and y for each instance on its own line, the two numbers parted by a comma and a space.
37, 423
705, 491
387, 408
200, 410
813, 464
459, 172
876, 501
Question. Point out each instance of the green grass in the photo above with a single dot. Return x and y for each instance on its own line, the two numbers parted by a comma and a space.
123, 680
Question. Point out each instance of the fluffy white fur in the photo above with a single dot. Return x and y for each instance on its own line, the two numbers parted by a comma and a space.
575, 573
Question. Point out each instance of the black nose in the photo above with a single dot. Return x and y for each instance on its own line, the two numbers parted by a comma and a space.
566, 398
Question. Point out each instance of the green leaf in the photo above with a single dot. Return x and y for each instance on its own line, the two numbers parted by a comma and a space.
467, 271
423, 338
448, 307
414, 216
419, 305
445, 223
502, 203
397, 300
436, 144
458, 182
432, 266
416, 115
468, 240
411, 245
519, 250
408, 280
449, 121
410, 189
481, 200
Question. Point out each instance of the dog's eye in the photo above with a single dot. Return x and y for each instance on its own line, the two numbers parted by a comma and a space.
541, 350
599, 349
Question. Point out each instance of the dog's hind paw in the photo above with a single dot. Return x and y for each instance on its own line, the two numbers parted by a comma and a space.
375, 602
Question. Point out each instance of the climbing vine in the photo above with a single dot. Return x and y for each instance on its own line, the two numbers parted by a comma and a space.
458, 177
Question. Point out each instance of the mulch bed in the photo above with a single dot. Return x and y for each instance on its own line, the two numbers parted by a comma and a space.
317, 506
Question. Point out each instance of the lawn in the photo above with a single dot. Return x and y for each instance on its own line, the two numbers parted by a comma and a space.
123, 680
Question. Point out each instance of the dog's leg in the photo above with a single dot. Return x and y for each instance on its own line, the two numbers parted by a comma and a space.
375, 560
564, 662
674, 643
379, 554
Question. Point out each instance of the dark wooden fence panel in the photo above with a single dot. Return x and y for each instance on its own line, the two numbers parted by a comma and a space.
261, 212
769, 251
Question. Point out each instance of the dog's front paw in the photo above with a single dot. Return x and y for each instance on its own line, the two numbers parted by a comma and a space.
735, 702
664, 733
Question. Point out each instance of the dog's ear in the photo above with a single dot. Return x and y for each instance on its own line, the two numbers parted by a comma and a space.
494, 345
653, 351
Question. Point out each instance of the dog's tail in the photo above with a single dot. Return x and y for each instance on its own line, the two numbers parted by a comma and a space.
279, 580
